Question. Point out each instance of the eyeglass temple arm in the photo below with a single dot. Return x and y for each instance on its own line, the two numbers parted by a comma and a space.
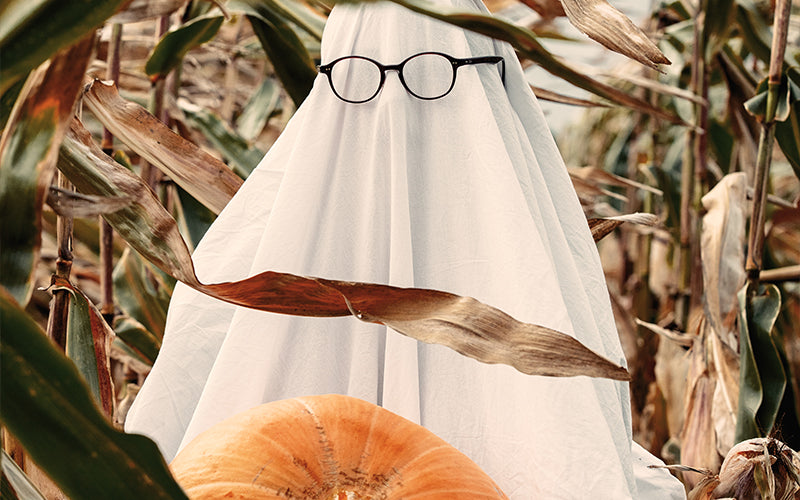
486, 59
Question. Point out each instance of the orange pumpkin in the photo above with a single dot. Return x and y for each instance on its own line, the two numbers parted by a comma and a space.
327, 447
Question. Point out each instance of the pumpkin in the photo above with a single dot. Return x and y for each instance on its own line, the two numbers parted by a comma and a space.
329, 447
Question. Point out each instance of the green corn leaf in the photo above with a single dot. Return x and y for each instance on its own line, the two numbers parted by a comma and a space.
28, 152
787, 132
719, 20
173, 46
258, 109
47, 406
242, 157
194, 218
788, 92
762, 379
141, 291
788, 136
754, 29
33, 30
142, 343
7, 101
297, 13
88, 338
289, 57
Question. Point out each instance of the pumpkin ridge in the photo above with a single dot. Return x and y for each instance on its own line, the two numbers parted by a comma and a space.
327, 460
379, 483
282, 448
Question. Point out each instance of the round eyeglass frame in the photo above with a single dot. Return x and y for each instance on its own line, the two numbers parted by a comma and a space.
455, 62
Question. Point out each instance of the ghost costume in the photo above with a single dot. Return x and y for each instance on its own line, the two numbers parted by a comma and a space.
466, 194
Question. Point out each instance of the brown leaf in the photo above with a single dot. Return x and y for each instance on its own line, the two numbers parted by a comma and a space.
610, 27
461, 323
682, 339
721, 249
698, 440
71, 204
726, 394
206, 178
601, 227
600, 176
704, 489
671, 369
549, 95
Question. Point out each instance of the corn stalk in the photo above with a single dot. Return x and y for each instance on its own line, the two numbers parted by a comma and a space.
755, 245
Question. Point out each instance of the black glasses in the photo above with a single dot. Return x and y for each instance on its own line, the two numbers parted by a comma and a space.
427, 75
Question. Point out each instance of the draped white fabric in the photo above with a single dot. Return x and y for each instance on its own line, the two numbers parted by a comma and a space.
466, 194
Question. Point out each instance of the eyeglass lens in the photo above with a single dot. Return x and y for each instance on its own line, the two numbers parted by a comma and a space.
428, 75
355, 79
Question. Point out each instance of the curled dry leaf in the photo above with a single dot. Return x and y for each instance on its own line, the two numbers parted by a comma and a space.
610, 27
705, 488
682, 339
721, 249
698, 441
206, 178
726, 393
601, 227
461, 323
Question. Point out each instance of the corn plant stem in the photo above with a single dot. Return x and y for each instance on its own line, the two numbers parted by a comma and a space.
702, 184
689, 169
756, 237
788, 273
151, 174
57, 321
106, 233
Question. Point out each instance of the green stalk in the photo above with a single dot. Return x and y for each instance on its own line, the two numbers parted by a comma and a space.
755, 246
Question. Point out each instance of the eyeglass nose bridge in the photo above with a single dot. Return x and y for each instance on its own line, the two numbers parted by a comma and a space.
398, 68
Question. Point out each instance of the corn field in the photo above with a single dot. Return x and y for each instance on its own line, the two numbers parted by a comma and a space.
128, 125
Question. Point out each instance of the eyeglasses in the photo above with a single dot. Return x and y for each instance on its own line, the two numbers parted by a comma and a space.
427, 75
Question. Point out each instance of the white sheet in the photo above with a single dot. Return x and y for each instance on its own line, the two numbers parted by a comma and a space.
466, 194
